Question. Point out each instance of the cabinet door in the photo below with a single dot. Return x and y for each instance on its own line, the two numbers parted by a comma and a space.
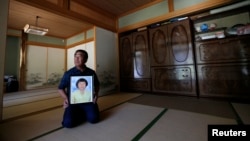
126, 56
180, 43
177, 80
224, 80
141, 55
159, 45
223, 50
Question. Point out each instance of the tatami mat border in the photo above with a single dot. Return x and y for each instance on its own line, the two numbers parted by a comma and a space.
238, 119
59, 128
140, 134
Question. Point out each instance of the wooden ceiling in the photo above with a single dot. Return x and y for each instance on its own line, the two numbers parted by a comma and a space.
118, 7
60, 26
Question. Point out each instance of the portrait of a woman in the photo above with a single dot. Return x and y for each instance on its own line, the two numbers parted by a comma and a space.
81, 94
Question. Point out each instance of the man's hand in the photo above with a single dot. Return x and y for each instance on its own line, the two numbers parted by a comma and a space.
65, 103
95, 98
65, 98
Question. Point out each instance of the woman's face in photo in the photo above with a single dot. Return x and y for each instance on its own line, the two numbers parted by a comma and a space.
81, 85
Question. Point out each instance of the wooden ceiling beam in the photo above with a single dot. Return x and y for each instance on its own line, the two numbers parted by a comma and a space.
64, 4
67, 8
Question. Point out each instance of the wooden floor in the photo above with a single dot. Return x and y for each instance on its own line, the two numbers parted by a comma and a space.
124, 116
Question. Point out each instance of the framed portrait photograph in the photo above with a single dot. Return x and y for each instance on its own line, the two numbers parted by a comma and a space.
81, 89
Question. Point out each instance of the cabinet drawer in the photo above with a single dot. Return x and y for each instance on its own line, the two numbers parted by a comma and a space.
224, 80
223, 50
140, 85
178, 79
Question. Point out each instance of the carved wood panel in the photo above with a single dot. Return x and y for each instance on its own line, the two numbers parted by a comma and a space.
224, 80
177, 79
159, 45
126, 56
141, 55
223, 50
180, 43
171, 44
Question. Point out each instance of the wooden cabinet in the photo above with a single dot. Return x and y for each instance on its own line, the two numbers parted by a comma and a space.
231, 80
135, 62
223, 62
224, 68
159, 60
212, 62
172, 60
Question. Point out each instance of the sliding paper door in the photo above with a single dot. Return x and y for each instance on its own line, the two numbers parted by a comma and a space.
36, 66
45, 66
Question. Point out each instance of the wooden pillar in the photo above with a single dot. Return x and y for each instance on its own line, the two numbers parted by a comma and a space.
4, 7
23, 69
170, 6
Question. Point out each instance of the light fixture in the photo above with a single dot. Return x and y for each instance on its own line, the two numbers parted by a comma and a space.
31, 29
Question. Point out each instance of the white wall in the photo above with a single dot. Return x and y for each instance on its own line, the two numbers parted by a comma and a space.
107, 60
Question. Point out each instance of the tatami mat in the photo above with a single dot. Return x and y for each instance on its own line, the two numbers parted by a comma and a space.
191, 104
31, 107
108, 101
177, 125
31, 126
29, 99
29, 93
15, 106
28, 127
27, 102
127, 116
121, 123
243, 111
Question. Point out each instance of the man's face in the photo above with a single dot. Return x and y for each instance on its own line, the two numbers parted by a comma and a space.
79, 59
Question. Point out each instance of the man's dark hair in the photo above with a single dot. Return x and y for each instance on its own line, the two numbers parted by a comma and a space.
85, 54
81, 80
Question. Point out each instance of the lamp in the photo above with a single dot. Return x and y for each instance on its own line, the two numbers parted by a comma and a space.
31, 29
